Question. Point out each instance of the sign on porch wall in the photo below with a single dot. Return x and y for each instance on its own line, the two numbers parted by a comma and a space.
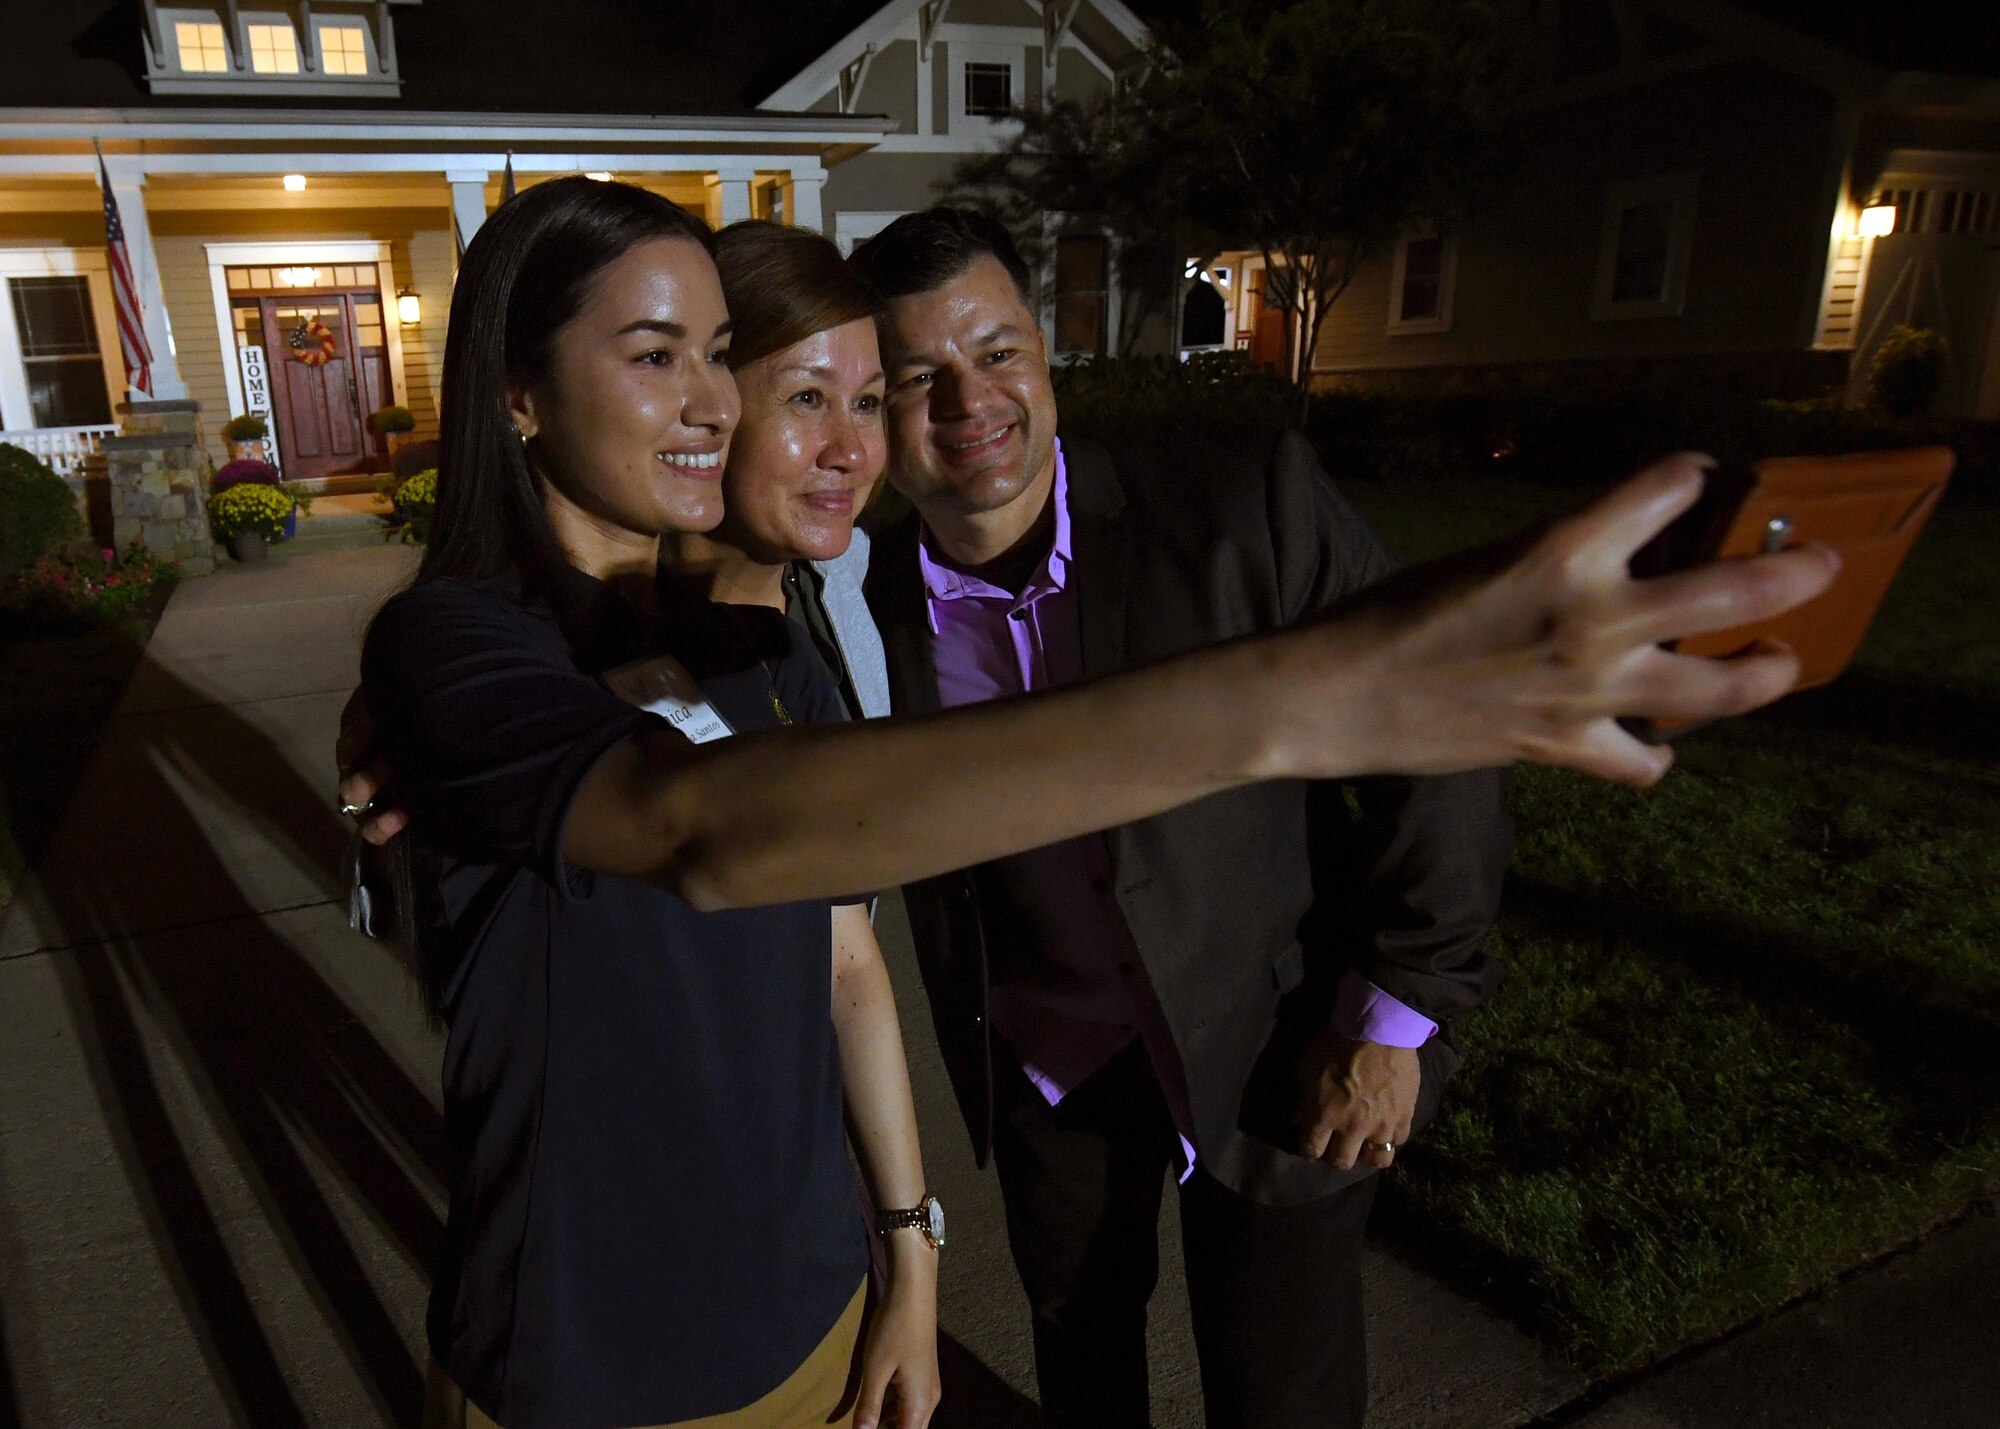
257, 394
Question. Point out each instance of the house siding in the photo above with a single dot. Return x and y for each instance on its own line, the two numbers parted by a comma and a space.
1528, 256
891, 86
421, 256
887, 183
992, 12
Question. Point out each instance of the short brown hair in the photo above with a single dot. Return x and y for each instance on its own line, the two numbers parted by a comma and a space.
783, 285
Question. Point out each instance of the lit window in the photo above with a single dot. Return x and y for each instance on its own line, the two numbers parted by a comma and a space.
343, 49
201, 47
989, 89
274, 49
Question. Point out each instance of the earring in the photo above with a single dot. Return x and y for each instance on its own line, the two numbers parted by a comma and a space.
522, 434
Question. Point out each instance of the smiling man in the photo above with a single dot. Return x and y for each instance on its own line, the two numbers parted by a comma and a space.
1252, 993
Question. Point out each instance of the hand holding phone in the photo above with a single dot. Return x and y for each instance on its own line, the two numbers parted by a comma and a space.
1868, 506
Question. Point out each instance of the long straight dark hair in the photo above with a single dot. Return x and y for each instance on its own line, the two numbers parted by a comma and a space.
525, 274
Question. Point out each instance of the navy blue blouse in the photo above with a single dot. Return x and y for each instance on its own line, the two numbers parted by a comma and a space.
653, 1215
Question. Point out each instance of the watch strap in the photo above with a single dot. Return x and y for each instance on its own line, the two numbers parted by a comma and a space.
917, 1218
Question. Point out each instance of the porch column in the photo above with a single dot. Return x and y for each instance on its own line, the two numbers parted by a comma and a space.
468, 202
128, 186
729, 195
806, 207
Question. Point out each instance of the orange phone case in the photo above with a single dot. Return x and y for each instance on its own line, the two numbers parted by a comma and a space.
1868, 506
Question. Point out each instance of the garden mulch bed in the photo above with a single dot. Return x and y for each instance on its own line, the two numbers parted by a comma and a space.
1750, 1036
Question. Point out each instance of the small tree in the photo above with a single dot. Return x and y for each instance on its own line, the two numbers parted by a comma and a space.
1314, 131
1318, 131
1088, 161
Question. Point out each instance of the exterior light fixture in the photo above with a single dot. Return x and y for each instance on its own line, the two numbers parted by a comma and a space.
1878, 220
409, 307
299, 277
603, 176
295, 183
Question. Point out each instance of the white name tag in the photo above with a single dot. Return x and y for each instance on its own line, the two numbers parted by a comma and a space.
660, 685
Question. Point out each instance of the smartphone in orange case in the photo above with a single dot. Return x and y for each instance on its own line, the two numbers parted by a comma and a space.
1868, 506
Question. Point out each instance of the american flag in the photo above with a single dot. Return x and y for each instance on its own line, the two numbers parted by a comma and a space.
125, 294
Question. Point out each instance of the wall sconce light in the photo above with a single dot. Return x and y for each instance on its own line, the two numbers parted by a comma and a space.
295, 183
603, 176
409, 307
1878, 220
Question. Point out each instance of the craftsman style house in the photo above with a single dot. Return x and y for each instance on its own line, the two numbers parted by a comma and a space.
295, 177
1700, 189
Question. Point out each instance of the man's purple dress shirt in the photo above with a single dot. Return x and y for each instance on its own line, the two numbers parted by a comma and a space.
1088, 996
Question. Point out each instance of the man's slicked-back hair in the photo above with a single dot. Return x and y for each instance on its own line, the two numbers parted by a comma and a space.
921, 252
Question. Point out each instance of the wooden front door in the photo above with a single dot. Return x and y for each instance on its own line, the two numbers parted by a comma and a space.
322, 409
1270, 329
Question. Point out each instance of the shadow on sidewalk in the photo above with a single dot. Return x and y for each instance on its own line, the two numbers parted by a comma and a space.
286, 1070
977, 1398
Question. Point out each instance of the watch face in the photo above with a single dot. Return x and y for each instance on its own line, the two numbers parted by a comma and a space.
934, 1221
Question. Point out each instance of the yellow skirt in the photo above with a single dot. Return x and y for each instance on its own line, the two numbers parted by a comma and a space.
820, 1394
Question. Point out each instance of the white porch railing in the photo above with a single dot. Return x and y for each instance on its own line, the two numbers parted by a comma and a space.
65, 449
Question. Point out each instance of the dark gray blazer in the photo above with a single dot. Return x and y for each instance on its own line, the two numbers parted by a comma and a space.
1246, 906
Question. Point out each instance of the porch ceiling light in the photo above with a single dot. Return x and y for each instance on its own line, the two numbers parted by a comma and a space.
1878, 220
603, 176
299, 277
295, 183
409, 307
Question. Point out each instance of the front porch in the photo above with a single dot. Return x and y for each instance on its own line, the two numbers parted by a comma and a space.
300, 269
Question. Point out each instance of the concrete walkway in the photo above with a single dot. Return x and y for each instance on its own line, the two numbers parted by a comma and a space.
220, 1147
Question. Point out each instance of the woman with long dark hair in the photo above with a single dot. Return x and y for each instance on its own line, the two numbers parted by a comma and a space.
652, 1217
635, 822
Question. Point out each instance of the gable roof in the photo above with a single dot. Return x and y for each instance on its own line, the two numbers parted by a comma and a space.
893, 20
1953, 37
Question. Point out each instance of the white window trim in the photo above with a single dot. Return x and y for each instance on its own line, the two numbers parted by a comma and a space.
1447, 286
853, 225
223, 256
1680, 190
16, 412
321, 24
960, 53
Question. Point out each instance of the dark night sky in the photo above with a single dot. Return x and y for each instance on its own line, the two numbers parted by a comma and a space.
1946, 36
721, 56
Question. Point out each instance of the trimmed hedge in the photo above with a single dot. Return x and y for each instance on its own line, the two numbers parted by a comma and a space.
1572, 439
38, 514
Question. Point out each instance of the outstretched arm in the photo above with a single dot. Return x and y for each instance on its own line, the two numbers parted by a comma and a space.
1529, 652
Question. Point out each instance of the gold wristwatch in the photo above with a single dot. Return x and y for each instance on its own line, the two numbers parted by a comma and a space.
927, 1216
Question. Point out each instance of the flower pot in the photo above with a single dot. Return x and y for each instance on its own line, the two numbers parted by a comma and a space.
291, 525
252, 450
249, 546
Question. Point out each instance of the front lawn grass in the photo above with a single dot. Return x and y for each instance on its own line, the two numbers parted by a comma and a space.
1750, 1036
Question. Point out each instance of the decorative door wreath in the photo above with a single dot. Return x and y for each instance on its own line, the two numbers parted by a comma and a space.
312, 343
